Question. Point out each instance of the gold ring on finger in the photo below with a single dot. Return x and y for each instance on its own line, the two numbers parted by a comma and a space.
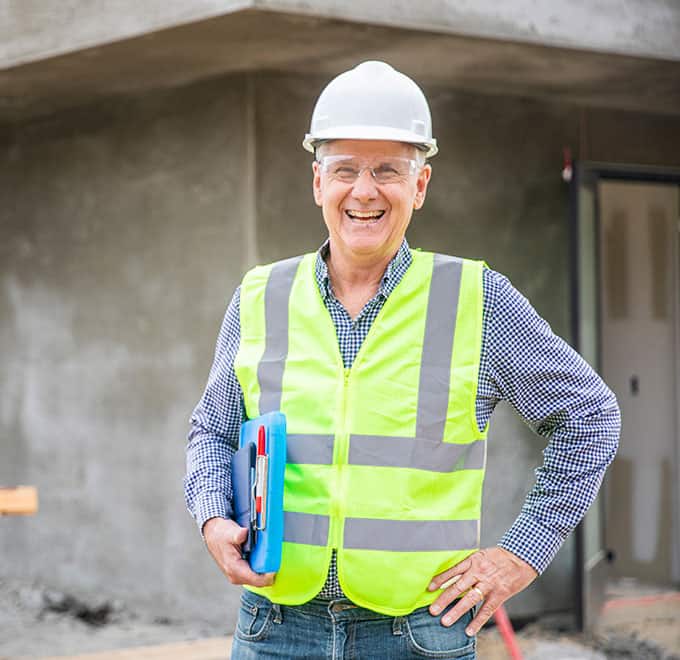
479, 591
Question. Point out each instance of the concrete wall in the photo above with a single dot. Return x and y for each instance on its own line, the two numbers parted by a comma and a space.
125, 227
123, 234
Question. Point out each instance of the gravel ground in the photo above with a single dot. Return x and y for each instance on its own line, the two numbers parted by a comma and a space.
38, 622
545, 641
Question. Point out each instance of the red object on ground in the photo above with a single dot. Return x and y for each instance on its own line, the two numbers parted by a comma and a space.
507, 633
636, 602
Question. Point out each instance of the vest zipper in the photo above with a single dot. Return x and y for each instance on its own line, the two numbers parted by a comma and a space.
342, 450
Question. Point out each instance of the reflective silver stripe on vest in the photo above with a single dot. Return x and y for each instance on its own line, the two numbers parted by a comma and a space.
411, 535
308, 448
428, 451
273, 360
440, 329
418, 453
306, 528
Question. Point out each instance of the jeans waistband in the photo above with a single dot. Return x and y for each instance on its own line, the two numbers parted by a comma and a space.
338, 609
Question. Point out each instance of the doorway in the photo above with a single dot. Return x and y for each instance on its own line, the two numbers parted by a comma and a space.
638, 232
625, 312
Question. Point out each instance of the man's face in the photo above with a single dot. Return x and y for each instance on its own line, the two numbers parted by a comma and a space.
365, 217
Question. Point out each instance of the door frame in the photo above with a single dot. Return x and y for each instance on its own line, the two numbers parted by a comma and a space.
591, 573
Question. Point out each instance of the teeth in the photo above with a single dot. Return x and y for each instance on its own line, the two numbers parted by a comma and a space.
365, 214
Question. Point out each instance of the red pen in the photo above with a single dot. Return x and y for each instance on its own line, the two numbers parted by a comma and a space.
259, 468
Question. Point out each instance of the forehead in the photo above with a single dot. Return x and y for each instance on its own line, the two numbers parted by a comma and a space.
369, 148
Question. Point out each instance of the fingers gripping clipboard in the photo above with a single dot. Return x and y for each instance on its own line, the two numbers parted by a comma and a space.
258, 469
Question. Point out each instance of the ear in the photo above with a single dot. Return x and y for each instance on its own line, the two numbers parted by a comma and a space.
421, 186
316, 183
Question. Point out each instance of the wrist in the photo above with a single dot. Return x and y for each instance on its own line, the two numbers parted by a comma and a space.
210, 524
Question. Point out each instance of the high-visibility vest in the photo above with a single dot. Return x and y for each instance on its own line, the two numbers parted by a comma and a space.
385, 460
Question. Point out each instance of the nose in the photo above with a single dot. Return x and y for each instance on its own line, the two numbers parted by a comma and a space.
364, 187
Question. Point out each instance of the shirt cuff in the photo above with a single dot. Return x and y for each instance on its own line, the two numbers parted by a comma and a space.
532, 541
211, 505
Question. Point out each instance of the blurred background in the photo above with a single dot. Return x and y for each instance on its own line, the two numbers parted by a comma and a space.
150, 153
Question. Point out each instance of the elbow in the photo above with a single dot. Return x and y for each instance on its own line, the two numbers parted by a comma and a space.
613, 424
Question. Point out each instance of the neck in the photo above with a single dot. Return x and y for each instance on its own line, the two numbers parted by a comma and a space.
353, 274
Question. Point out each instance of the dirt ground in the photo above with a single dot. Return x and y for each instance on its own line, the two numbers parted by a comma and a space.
638, 623
38, 622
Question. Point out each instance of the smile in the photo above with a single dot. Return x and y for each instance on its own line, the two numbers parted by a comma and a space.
365, 217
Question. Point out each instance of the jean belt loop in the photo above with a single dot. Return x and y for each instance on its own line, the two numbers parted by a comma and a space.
278, 618
397, 624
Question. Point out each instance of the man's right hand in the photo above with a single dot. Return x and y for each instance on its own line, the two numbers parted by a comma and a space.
224, 538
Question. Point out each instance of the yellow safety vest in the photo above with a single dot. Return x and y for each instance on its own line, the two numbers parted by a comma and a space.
385, 460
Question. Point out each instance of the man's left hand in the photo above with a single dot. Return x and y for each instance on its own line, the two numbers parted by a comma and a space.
491, 575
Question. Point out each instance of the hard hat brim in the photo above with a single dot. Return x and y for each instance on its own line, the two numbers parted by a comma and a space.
311, 141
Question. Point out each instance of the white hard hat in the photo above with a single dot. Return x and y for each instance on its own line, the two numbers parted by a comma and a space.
372, 101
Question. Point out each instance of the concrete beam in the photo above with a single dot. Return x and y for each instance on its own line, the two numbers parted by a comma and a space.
641, 28
257, 40
32, 30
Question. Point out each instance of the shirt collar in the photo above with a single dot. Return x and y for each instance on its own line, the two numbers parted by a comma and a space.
395, 270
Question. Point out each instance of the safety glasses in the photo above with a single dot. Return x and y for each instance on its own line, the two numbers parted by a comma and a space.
347, 169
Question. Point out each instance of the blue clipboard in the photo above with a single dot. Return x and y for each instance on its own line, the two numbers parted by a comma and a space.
264, 555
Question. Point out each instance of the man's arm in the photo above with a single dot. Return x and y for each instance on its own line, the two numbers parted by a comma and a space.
215, 424
561, 398
212, 441
556, 392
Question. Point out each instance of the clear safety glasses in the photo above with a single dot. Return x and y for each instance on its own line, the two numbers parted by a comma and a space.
348, 169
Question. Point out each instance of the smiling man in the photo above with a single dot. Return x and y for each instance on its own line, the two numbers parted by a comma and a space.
388, 364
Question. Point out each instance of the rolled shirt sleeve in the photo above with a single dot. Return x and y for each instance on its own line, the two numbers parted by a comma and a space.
556, 392
215, 426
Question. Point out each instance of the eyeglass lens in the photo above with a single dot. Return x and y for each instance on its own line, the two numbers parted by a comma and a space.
385, 170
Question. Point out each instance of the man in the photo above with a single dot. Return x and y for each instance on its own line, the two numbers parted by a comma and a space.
388, 364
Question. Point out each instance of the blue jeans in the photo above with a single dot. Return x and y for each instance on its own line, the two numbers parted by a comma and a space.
339, 630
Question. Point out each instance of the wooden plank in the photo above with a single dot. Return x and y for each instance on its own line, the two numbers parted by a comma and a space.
18, 501
215, 648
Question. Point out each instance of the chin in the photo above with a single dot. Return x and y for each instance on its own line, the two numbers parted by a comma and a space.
367, 246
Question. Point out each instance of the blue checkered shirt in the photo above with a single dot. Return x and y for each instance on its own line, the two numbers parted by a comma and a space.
522, 362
